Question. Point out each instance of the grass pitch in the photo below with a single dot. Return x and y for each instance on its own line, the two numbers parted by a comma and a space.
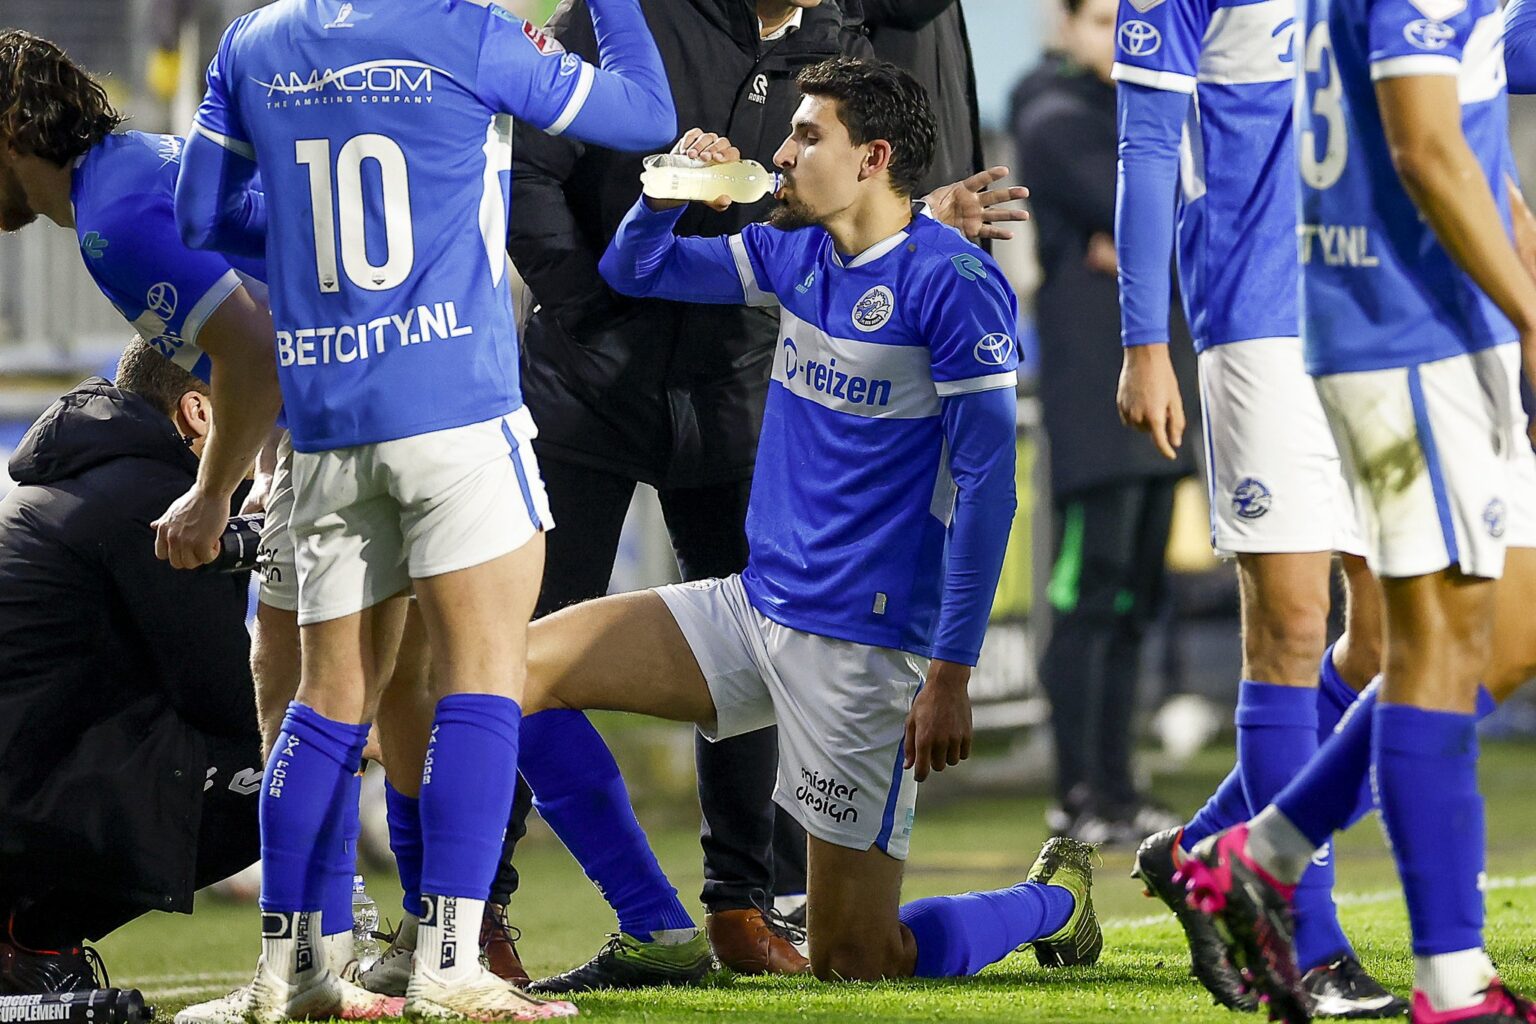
980, 843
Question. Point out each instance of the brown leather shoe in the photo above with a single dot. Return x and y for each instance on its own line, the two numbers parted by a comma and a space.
744, 941
498, 944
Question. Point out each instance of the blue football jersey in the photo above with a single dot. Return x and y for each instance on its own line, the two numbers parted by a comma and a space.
1236, 200
852, 496
1379, 290
123, 193
381, 131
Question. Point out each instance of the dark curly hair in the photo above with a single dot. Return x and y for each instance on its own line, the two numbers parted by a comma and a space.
878, 100
49, 106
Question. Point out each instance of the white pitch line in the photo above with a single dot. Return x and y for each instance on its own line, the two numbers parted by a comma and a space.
1346, 899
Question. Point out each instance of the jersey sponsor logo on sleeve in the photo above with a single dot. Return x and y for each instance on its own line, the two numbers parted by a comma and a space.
1439, 10
1251, 499
93, 245
1139, 39
169, 147
994, 349
546, 44
161, 300
874, 309
1428, 35
568, 65
969, 266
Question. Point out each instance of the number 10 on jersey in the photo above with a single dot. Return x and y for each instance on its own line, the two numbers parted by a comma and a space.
337, 206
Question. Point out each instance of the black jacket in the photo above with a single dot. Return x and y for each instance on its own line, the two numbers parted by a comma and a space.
1064, 127
663, 392
113, 665
929, 39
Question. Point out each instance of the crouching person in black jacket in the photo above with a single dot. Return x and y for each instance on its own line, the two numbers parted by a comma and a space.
130, 755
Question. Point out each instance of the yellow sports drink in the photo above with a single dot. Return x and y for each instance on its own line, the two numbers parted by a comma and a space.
669, 176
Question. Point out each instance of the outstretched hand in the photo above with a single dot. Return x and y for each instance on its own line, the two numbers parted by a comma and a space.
975, 207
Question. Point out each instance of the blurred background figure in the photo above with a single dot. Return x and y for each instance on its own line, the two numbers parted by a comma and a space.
1112, 494
928, 38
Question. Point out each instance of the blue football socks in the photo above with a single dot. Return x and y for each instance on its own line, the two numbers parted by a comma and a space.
1226, 807
1425, 767
343, 866
303, 808
580, 794
466, 793
404, 814
959, 935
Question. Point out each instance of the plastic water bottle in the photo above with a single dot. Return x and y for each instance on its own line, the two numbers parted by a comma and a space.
365, 921
669, 176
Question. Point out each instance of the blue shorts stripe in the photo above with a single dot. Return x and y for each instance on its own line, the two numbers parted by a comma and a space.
888, 819
522, 478
1432, 463
1210, 457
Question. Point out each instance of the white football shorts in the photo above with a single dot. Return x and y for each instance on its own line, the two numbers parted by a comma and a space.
279, 575
1438, 460
367, 520
1276, 484
841, 708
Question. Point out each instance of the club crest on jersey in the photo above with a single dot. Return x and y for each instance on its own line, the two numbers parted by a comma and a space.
994, 349
1428, 35
1439, 10
545, 44
1251, 499
1493, 518
874, 309
1139, 39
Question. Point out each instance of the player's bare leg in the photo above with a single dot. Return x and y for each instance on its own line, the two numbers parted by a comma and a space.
620, 653
1284, 604
474, 620
274, 668
1513, 660
344, 662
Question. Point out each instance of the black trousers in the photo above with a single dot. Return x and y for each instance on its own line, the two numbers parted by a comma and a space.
749, 844
228, 840
1104, 589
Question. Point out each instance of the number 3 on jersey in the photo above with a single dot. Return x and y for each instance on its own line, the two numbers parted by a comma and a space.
1321, 172
340, 206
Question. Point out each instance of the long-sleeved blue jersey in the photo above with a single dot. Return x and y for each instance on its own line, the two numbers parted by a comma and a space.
884, 486
381, 131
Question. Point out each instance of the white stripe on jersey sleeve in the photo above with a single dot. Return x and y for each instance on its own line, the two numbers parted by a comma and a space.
212, 299
1168, 81
577, 101
245, 149
991, 382
1414, 64
749, 286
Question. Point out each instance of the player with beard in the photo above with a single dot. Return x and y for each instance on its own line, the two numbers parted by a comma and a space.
880, 510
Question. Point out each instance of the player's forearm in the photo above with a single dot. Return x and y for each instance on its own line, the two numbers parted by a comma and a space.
215, 206
1445, 181
647, 261
245, 392
630, 107
982, 439
1151, 121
